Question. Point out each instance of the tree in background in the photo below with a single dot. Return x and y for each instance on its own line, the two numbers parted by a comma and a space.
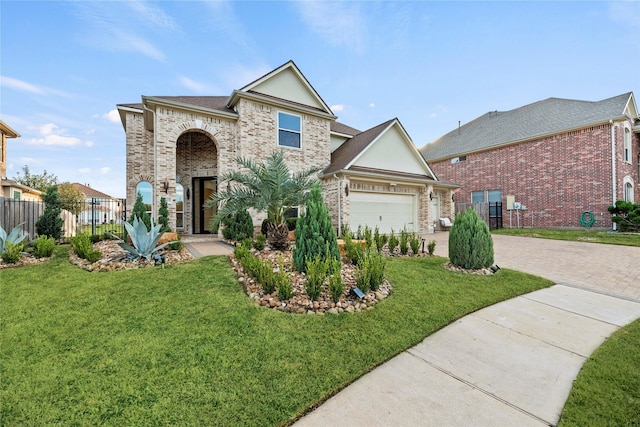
71, 198
315, 236
40, 182
140, 212
50, 223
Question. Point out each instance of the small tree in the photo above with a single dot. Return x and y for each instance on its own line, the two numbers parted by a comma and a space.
626, 215
163, 218
470, 242
314, 233
50, 223
140, 211
71, 198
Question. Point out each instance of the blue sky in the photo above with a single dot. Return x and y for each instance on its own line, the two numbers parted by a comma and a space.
65, 65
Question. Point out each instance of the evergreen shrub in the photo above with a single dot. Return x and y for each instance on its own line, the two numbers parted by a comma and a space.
470, 242
84, 249
163, 218
315, 236
12, 252
140, 211
43, 246
50, 223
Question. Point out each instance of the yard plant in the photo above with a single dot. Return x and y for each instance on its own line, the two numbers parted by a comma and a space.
50, 223
267, 187
470, 242
185, 346
315, 236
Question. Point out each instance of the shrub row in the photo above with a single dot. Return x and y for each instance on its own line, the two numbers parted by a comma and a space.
263, 273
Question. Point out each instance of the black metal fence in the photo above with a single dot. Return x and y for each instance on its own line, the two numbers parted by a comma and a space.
93, 216
491, 212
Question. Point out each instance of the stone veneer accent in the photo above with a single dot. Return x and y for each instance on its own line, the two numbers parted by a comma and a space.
218, 141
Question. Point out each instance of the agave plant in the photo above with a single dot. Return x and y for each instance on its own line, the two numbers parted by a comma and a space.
145, 243
15, 236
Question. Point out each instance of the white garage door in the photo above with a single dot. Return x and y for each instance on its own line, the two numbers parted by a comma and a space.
386, 211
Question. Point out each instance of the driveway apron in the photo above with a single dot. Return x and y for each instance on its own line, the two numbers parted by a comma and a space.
509, 364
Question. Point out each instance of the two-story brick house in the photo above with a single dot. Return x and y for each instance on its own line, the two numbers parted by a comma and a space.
178, 146
557, 157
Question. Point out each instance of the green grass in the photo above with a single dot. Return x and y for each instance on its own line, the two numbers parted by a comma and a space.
593, 236
184, 345
607, 390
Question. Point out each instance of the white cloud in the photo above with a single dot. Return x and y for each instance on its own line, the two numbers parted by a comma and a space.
130, 42
372, 105
51, 135
113, 116
153, 17
20, 85
105, 169
340, 24
195, 86
84, 170
338, 107
89, 143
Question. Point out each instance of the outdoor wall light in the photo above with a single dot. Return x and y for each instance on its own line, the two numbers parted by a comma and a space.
430, 195
165, 185
188, 193
346, 189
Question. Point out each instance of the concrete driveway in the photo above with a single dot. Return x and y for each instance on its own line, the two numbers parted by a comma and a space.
512, 363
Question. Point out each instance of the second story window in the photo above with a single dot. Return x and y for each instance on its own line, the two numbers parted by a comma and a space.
627, 145
289, 130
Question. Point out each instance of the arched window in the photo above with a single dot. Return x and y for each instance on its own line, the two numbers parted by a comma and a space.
628, 189
179, 206
146, 190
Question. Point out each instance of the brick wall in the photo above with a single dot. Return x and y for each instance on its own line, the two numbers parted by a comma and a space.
556, 178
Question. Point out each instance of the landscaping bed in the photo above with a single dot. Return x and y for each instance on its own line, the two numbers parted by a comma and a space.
116, 258
300, 302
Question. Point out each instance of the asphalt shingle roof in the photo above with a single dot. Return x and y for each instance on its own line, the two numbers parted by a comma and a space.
546, 117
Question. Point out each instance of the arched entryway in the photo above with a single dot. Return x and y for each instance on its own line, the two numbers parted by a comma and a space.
197, 172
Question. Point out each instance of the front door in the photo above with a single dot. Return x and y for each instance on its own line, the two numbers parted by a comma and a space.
204, 189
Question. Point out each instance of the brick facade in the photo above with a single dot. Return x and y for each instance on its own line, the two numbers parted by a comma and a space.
556, 178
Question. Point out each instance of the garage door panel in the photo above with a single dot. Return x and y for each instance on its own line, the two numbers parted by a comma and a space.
385, 211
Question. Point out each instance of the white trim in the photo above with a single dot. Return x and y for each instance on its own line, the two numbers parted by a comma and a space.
626, 143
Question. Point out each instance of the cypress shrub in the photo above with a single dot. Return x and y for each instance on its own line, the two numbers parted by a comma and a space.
50, 223
314, 233
140, 211
242, 225
470, 242
163, 218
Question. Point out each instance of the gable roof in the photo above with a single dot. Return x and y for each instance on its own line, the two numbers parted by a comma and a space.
543, 118
90, 192
345, 157
285, 86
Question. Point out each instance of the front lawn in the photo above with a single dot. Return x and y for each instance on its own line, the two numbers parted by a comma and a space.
593, 236
607, 390
184, 345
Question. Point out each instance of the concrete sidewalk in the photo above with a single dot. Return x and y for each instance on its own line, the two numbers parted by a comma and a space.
509, 364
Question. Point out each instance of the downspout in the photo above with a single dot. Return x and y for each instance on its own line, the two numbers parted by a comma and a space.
613, 168
339, 207
155, 163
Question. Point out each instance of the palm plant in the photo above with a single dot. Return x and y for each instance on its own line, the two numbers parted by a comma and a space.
266, 187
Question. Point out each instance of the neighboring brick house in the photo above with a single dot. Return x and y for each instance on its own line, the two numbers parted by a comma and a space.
178, 146
553, 156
